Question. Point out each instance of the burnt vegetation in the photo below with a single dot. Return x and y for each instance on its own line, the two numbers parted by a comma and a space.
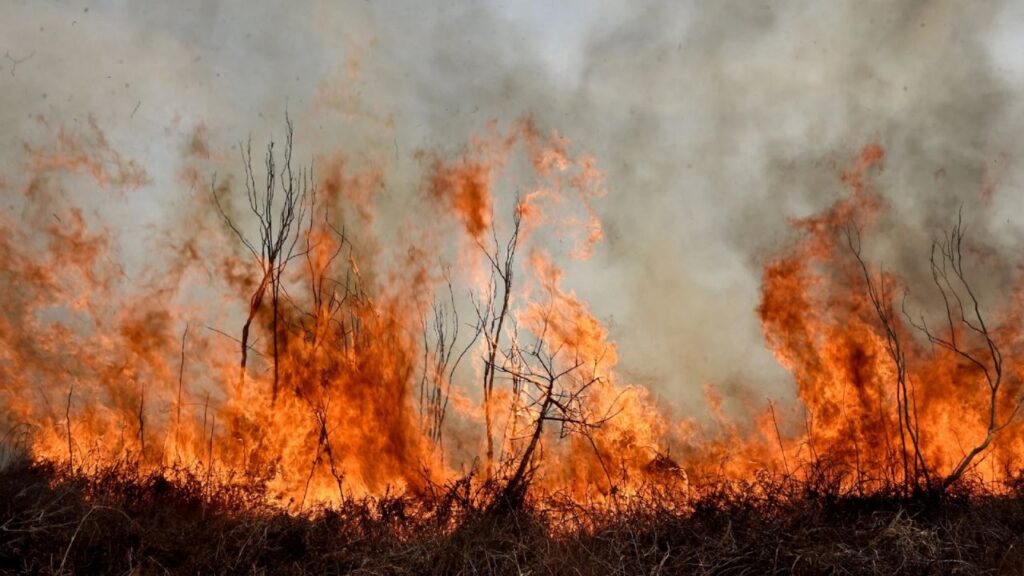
120, 521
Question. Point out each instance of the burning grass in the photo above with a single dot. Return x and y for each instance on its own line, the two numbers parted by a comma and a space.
355, 415
120, 520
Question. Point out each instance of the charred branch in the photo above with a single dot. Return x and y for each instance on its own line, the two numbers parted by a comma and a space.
279, 205
964, 317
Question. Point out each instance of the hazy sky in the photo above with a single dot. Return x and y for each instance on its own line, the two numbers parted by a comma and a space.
714, 122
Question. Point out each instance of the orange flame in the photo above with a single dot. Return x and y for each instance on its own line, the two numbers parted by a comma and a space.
98, 368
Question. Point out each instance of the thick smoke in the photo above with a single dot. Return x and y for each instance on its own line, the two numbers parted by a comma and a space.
714, 122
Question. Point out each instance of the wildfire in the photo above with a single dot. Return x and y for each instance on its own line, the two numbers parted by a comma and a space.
282, 341
889, 399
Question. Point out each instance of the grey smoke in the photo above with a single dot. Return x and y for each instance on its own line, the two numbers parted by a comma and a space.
715, 122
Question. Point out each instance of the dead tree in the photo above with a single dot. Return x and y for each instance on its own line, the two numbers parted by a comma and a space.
963, 315
551, 381
440, 361
178, 403
329, 322
329, 295
323, 449
67, 419
964, 321
907, 419
279, 219
492, 315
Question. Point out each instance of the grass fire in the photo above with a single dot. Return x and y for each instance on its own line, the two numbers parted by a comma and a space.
346, 288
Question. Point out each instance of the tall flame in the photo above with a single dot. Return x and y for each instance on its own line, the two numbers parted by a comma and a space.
100, 368
100, 364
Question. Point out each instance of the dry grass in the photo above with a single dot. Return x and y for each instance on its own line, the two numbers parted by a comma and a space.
120, 522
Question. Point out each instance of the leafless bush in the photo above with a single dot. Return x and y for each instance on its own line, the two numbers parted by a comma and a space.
966, 334
279, 205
